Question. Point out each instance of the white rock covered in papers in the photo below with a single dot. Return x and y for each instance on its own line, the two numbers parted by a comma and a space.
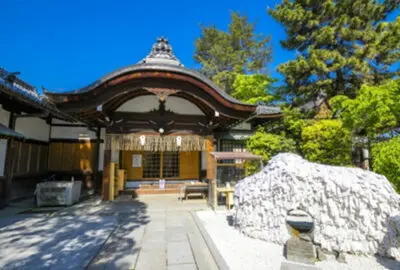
353, 210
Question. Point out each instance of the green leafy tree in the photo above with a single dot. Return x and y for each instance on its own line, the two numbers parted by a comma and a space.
267, 145
339, 44
252, 88
375, 110
239, 50
386, 160
327, 142
293, 122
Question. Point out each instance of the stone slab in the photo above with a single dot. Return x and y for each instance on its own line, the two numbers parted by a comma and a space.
179, 253
176, 235
298, 266
182, 267
151, 259
300, 251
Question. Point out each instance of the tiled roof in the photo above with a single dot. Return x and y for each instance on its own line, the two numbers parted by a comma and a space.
20, 89
160, 58
264, 110
7, 132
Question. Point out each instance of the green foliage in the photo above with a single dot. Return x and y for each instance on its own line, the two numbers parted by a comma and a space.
339, 44
224, 54
294, 122
267, 145
374, 110
386, 160
327, 142
252, 88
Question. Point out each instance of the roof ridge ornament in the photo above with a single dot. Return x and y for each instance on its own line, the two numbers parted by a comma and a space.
161, 53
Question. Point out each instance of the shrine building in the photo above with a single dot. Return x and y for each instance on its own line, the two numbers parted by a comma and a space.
155, 120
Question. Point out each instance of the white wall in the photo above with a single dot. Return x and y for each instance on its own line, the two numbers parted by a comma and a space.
3, 151
4, 116
243, 126
4, 119
203, 160
33, 128
71, 133
57, 121
150, 102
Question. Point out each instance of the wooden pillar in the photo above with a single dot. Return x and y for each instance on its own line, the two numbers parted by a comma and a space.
96, 161
106, 176
11, 159
209, 158
111, 190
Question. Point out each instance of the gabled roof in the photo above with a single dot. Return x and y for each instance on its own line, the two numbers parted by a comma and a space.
316, 103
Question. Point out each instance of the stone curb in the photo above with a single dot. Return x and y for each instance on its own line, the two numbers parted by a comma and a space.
291, 265
219, 259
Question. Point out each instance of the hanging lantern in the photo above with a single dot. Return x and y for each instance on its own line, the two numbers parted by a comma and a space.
142, 140
179, 141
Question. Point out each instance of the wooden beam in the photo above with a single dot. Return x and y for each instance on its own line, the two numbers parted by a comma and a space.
106, 176
155, 116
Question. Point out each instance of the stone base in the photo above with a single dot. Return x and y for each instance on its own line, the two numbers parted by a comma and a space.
300, 251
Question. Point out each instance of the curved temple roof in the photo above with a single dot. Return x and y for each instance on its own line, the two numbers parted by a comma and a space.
160, 59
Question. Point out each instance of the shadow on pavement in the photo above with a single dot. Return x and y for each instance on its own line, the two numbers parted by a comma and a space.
72, 238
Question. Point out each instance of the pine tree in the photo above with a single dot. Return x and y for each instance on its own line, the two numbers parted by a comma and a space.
240, 50
340, 44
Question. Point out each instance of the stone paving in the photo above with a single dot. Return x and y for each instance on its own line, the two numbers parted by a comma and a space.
153, 232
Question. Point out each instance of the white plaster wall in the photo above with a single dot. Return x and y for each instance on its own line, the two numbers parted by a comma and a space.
115, 156
150, 102
4, 116
3, 151
33, 128
58, 121
203, 160
102, 149
243, 126
71, 133
4, 119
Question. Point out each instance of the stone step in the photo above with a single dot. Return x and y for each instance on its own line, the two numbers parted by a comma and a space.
148, 191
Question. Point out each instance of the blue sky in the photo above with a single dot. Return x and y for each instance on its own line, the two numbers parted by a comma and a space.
67, 44
64, 45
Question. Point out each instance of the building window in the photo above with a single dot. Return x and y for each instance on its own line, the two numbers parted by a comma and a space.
232, 170
232, 146
151, 165
170, 164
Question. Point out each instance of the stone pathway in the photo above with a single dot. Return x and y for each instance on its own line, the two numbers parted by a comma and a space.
168, 240
153, 232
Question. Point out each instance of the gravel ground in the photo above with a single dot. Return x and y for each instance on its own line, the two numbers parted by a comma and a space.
241, 252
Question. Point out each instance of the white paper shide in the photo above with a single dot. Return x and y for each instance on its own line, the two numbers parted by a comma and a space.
353, 210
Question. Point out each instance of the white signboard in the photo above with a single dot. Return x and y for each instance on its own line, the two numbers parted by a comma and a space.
136, 161
162, 184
